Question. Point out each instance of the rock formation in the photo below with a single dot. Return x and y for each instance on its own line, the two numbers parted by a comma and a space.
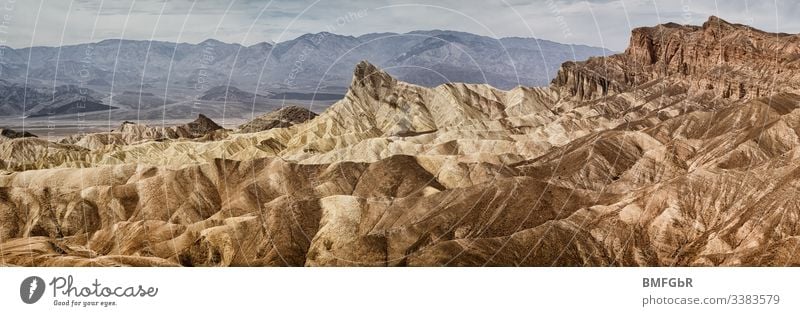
202, 128
7, 133
730, 61
681, 151
281, 118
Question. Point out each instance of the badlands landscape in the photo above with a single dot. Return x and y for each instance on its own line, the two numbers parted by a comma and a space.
683, 150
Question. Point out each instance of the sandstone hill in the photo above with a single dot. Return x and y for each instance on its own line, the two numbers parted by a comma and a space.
130, 133
281, 118
681, 151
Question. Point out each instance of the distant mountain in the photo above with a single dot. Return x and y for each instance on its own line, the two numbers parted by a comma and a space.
308, 96
17, 99
141, 99
320, 62
74, 107
230, 93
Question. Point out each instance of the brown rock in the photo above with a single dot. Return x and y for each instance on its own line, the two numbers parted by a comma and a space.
682, 151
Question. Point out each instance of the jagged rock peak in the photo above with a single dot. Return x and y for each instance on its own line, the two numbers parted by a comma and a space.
368, 75
716, 22
202, 125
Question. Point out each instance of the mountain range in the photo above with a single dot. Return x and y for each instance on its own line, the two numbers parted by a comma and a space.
318, 63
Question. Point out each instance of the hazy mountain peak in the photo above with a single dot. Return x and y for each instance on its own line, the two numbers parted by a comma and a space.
370, 36
323, 35
262, 45
212, 41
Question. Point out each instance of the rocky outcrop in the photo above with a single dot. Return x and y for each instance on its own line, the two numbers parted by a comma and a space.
729, 61
587, 84
284, 117
202, 128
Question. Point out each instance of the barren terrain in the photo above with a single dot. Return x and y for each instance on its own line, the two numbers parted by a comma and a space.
684, 150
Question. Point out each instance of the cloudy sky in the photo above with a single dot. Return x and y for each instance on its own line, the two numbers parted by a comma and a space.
26, 23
